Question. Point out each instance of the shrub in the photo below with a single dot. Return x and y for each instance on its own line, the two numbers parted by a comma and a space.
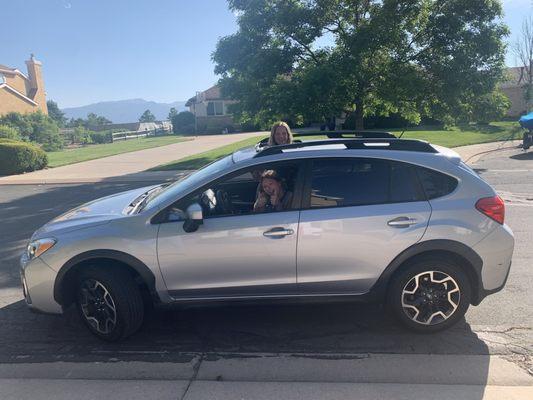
17, 157
35, 127
81, 135
183, 122
101, 137
8, 132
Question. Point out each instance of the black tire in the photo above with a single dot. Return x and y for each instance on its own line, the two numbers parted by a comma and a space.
437, 302
124, 295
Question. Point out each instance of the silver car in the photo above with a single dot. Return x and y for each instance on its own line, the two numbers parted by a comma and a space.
398, 221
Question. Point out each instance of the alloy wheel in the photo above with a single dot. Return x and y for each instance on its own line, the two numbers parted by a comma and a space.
430, 297
98, 306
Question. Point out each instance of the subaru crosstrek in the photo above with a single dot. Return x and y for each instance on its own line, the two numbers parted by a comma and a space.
382, 219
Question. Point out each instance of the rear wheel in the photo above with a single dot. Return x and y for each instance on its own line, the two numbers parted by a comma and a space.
430, 295
109, 302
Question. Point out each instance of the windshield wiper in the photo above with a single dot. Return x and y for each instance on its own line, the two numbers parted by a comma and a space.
149, 195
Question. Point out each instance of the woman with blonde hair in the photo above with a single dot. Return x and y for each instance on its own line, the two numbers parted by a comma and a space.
280, 134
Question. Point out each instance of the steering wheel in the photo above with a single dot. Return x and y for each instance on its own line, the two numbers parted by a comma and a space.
224, 204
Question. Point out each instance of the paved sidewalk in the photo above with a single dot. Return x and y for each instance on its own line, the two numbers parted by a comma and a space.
470, 154
271, 376
128, 167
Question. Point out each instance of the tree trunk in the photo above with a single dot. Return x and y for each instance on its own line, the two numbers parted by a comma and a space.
359, 124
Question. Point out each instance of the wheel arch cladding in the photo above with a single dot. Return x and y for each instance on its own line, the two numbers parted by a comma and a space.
463, 255
64, 283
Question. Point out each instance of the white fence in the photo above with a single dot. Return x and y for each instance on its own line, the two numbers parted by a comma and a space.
131, 135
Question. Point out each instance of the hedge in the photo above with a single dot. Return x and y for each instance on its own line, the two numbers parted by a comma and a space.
18, 157
101, 137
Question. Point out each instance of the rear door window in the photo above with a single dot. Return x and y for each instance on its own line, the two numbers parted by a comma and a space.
362, 181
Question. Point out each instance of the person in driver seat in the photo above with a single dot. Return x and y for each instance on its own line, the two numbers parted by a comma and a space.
273, 194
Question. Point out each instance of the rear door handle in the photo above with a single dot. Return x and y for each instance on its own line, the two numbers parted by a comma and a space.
402, 222
278, 232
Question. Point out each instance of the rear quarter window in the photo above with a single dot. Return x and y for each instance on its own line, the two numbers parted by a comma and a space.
436, 184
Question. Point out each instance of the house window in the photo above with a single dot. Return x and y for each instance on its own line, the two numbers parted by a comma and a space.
215, 108
2, 79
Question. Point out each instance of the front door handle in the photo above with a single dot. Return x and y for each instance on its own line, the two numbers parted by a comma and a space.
402, 222
278, 232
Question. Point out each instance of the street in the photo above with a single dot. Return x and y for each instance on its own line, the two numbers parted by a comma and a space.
270, 341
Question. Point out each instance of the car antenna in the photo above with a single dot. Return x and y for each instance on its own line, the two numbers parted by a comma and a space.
401, 134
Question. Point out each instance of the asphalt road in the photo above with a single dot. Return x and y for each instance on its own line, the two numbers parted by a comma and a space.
502, 324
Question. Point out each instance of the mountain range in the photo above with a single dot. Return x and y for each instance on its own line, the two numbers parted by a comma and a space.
122, 111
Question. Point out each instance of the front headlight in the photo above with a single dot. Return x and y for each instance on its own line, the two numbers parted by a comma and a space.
38, 247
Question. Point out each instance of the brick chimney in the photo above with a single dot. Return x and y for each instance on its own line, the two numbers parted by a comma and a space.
36, 84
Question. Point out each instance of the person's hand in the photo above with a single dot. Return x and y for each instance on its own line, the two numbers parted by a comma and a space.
274, 197
262, 200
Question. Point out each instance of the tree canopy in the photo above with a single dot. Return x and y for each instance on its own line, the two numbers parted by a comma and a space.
55, 113
306, 60
147, 116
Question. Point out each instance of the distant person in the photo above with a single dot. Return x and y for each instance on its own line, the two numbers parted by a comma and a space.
280, 134
273, 194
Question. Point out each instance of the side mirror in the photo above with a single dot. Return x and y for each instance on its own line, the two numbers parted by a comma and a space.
194, 217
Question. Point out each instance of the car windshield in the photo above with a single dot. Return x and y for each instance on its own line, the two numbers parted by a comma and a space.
190, 181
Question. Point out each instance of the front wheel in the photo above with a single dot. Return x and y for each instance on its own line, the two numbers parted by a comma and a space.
109, 302
430, 295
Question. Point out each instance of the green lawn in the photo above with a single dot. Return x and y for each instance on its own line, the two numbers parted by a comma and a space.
93, 151
450, 138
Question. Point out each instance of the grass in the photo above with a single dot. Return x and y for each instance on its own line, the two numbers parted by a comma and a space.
94, 151
198, 160
460, 136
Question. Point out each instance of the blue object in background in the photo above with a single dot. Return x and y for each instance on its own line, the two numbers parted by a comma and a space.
526, 121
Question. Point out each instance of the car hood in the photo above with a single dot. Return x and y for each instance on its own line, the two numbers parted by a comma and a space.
96, 212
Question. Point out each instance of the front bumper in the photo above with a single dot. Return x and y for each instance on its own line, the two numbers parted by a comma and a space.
38, 285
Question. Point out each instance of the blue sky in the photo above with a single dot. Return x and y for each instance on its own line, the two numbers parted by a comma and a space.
96, 50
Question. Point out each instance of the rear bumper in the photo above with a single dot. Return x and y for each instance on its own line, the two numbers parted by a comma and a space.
496, 251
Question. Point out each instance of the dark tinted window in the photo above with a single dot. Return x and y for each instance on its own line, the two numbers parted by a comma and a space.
404, 184
436, 184
352, 182
349, 182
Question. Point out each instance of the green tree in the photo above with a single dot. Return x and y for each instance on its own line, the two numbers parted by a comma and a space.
147, 116
183, 122
55, 113
8, 132
172, 113
96, 120
489, 107
35, 127
412, 58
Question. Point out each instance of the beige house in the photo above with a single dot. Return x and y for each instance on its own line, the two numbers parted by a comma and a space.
22, 93
513, 87
211, 111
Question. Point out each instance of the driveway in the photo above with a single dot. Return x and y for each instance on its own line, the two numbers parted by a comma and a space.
128, 166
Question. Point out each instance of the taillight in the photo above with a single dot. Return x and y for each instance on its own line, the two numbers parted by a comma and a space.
492, 207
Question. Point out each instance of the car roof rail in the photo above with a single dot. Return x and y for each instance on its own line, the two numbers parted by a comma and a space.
348, 134
358, 144
343, 134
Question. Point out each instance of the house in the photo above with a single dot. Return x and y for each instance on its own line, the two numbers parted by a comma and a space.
211, 112
514, 87
22, 93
